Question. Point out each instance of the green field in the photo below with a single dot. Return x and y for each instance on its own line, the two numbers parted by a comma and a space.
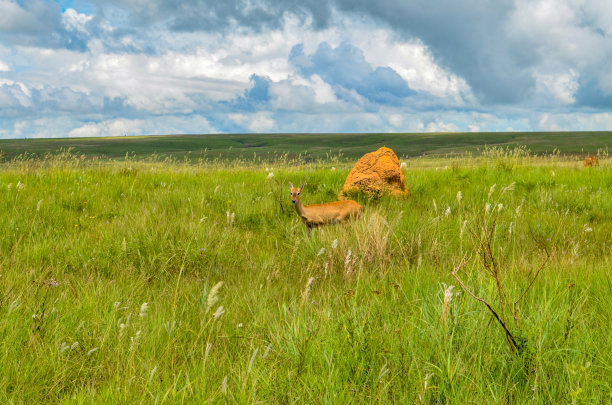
311, 146
110, 272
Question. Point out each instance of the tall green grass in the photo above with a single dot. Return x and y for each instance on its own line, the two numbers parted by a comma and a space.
110, 272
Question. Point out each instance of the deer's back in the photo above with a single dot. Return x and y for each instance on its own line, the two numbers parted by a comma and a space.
333, 211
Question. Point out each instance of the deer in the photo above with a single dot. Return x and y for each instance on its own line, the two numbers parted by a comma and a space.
315, 215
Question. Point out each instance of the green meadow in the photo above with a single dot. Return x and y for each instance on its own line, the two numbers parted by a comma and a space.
272, 147
154, 279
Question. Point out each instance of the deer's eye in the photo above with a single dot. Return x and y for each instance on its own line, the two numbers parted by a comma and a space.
298, 193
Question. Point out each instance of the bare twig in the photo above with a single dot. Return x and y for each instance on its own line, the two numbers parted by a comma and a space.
509, 337
481, 232
488, 260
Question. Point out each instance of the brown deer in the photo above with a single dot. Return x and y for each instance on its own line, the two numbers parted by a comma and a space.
315, 215
591, 161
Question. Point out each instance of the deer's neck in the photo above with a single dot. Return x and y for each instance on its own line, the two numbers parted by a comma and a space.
299, 208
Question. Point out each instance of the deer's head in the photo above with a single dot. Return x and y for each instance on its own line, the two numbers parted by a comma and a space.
295, 192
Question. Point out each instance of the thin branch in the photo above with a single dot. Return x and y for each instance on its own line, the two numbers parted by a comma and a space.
488, 261
509, 337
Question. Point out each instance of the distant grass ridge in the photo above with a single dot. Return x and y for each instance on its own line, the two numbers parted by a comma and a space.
110, 283
270, 147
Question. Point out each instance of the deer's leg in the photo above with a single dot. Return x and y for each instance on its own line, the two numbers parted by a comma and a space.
308, 229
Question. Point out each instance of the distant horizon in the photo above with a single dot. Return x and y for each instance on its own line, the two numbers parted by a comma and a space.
303, 133
94, 68
311, 146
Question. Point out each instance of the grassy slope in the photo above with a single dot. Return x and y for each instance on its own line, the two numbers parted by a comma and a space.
312, 145
116, 235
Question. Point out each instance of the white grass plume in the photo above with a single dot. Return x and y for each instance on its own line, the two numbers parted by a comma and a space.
306, 291
213, 296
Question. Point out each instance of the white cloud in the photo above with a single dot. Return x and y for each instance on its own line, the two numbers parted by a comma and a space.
555, 30
261, 122
412, 60
75, 21
116, 127
51, 127
574, 121
152, 126
154, 80
303, 94
562, 86
11, 92
566, 39
438, 126
396, 120
324, 94
221, 69
239, 119
256, 122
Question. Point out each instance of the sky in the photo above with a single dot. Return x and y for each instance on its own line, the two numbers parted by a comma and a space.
71, 68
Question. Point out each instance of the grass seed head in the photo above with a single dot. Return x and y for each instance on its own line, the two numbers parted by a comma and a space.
307, 288
491, 191
448, 297
143, 309
213, 296
219, 312
224, 385
348, 268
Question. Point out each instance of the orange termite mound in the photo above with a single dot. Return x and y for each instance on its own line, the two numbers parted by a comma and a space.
591, 161
375, 174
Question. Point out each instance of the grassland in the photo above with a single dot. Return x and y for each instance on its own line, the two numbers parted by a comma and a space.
270, 147
110, 272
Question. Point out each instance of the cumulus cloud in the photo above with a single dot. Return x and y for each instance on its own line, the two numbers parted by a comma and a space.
47, 127
413, 61
116, 127
573, 121
150, 126
17, 99
75, 21
466, 37
117, 66
256, 122
298, 93
345, 66
492, 45
438, 126
39, 23
561, 86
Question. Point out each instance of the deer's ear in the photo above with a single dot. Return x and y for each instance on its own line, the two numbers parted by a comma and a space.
291, 184
302, 186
